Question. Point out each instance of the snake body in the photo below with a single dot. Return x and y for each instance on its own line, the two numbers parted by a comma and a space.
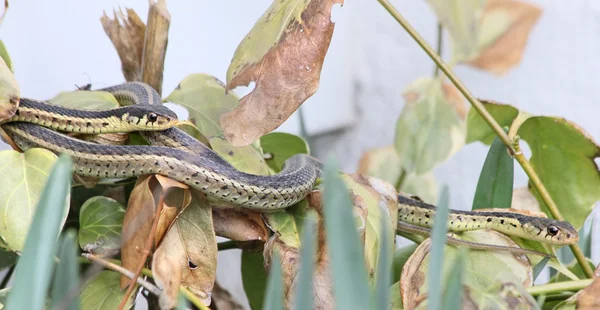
179, 156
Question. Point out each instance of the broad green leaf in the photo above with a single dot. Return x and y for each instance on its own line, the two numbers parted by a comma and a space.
400, 257
66, 276
279, 146
104, 292
487, 274
351, 288
495, 185
438, 240
100, 224
384, 266
34, 270
247, 159
254, 278
575, 268
25, 176
395, 298
283, 54
9, 91
430, 128
288, 223
304, 289
479, 130
87, 100
5, 56
191, 129
461, 19
274, 294
562, 155
385, 164
454, 286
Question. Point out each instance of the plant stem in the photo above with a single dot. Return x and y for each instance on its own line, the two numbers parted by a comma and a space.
440, 41
554, 288
478, 106
400, 180
227, 245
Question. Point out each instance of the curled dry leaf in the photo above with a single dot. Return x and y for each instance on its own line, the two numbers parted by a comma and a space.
504, 29
239, 224
155, 46
127, 35
283, 54
487, 276
9, 92
187, 254
589, 298
139, 216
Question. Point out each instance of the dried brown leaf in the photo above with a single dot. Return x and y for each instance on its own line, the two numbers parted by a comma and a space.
503, 48
9, 92
239, 224
283, 54
127, 35
589, 298
189, 249
155, 46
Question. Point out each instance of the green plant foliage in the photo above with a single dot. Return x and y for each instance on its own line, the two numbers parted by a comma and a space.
34, 270
104, 292
438, 239
274, 294
395, 298
5, 56
87, 100
304, 289
100, 224
479, 130
537, 269
254, 278
66, 277
384, 266
346, 255
400, 257
454, 286
495, 185
279, 146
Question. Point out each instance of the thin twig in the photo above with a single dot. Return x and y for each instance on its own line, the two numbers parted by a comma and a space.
193, 298
547, 289
114, 267
478, 106
227, 245
146, 251
7, 277
440, 41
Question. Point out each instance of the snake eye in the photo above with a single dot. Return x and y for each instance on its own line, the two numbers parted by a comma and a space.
152, 117
553, 230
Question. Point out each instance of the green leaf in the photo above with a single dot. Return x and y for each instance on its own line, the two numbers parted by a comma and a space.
562, 155
274, 294
100, 224
66, 276
7, 259
429, 129
438, 239
351, 290
454, 286
395, 298
86, 100
537, 269
479, 130
495, 186
247, 159
104, 292
33, 272
304, 288
384, 266
400, 257
254, 278
5, 56
279, 146
9, 90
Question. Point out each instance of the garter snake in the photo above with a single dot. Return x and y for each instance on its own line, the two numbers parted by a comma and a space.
177, 155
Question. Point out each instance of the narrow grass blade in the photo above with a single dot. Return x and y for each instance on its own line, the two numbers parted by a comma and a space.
304, 292
384, 266
454, 289
436, 261
274, 297
495, 185
350, 285
537, 269
65, 293
32, 274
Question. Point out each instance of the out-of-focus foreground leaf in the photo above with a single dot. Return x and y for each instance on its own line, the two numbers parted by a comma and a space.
100, 224
9, 90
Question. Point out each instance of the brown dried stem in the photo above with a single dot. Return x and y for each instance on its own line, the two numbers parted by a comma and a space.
155, 44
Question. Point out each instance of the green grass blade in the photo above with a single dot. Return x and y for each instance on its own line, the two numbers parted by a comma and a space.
304, 292
32, 274
438, 239
66, 276
537, 269
495, 185
454, 289
274, 297
384, 266
350, 285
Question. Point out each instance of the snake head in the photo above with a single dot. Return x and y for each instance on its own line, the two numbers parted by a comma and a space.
553, 231
149, 117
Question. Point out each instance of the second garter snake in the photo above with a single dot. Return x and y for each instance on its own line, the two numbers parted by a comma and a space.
177, 155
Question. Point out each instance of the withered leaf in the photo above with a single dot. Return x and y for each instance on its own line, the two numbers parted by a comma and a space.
283, 54
589, 298
127, 35
504, 30
188, 252
239, 224
9, 92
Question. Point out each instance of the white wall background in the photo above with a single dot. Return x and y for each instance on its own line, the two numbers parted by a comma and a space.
57, 44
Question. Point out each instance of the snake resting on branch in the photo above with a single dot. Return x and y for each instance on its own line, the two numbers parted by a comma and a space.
176, 155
